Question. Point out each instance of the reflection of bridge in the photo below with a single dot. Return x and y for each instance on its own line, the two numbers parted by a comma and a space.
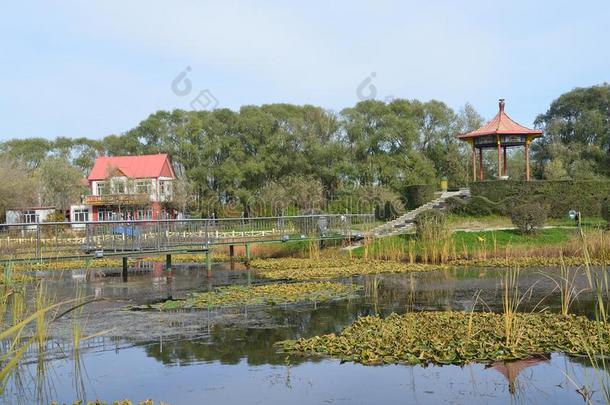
64, 240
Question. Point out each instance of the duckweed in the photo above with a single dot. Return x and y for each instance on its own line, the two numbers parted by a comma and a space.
455, 338
270, 294
312, 269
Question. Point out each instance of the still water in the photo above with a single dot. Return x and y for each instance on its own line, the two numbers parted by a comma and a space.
228, 357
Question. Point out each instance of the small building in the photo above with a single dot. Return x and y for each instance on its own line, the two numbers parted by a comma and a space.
28, 215
128, 188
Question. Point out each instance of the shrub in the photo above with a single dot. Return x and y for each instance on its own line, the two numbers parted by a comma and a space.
430, 225
559, 196
455, 205
476, 206
528, 217
419, 194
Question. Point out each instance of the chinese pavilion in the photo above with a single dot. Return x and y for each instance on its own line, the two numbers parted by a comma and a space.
502, 133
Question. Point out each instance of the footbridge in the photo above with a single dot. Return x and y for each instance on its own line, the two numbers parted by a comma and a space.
36, 242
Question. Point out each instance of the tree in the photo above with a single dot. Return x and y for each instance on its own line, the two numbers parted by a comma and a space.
59, 183
577, 128
17, 188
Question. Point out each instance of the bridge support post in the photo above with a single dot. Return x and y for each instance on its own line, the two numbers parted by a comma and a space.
208, 261
247, 253
231, 252
168, 262
124, 273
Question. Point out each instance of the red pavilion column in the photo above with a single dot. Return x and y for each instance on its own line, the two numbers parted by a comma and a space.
481, 164
499, 159
527, 159
474, 163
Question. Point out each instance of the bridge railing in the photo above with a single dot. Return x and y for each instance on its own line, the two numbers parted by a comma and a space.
74, 239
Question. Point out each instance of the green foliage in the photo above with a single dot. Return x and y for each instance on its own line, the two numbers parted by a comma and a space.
476, 206
528, 217
430, 225
419, 194
268, 294
456, 338
577, 135
558, 197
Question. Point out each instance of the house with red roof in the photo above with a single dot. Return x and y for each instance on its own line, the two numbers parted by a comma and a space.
128, 188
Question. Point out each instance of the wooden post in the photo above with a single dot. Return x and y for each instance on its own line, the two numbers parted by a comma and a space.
499, 158
481, 164
474, 162
247, 253
168, 262
231, 252
505, 171
527, 159
208, 261
124, 268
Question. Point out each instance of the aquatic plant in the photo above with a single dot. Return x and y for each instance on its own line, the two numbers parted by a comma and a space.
415, 338
267, 294
306, 269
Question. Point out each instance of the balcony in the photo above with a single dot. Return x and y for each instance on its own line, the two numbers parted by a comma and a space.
118, 199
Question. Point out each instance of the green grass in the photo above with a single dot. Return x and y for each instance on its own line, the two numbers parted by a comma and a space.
512, 237
474, 241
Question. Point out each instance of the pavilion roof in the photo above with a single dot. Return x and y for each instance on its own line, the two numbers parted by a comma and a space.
501, 124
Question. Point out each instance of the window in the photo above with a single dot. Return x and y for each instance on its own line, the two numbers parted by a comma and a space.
101, 188
143, 187
149, 214
107, 215
81, 215
30, 217
165, 187
119, 187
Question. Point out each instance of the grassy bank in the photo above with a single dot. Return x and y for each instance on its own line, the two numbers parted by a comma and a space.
549, 246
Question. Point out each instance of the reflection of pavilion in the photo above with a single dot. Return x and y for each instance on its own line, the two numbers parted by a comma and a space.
501, 133
511, 369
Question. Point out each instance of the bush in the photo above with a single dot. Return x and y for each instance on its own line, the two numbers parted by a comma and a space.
476, 206
419, 194
559, 196
430, 225
528, 217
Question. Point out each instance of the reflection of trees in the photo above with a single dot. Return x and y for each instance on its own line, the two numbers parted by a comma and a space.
230, 344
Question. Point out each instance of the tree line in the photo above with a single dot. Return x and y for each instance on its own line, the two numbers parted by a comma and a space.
305, 157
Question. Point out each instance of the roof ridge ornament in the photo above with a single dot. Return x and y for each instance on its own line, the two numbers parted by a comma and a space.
501, 104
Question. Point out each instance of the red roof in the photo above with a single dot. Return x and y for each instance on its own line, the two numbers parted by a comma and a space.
501, 124
134, 167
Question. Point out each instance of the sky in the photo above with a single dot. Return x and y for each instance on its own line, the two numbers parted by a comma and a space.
94, 68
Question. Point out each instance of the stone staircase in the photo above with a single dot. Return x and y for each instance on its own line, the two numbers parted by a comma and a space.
405, 224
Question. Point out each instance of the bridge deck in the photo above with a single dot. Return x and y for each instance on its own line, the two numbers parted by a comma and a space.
64, 240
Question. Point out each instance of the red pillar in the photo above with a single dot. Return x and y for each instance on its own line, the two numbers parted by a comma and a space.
499, 159
505, 172
481, 164
527, 160
474, 163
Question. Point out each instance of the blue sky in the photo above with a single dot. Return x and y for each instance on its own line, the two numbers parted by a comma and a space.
86, 68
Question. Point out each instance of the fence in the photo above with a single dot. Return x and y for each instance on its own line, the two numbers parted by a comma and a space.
75, 239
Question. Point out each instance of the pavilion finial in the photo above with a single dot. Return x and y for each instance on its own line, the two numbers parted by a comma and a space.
501, 104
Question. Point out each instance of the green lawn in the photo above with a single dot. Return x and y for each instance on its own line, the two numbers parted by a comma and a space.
474, 241
511, 237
